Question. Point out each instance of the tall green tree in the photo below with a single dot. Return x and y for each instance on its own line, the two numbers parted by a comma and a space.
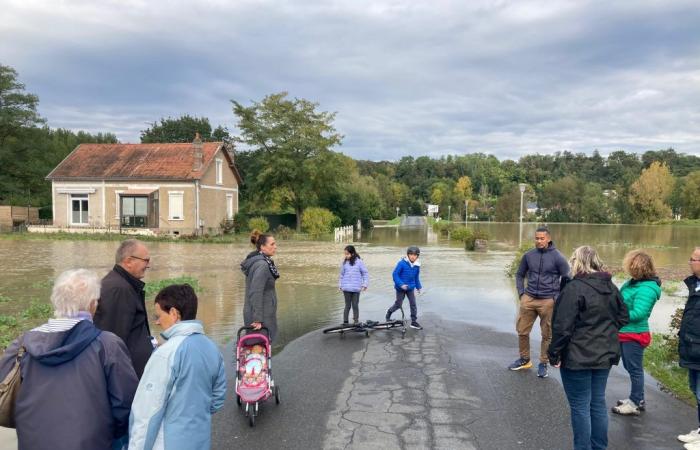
182, 129
17, 107
689, 187
295, 142
650, 193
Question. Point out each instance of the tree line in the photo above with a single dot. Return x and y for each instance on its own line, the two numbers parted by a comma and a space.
287, 153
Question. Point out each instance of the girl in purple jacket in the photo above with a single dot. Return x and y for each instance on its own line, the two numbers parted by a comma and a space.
353, 279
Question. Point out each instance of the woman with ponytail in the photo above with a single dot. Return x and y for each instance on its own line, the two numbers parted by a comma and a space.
260, 307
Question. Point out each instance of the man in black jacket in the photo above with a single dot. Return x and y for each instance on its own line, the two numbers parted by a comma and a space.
689, 342
544, 267
122, 306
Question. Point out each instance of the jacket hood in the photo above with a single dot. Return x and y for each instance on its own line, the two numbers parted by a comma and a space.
600, 281
56, 348
653, 282
405, 259
251, 259
183, 328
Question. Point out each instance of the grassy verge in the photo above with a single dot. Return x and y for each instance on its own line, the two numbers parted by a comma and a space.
38, 312
205, 239
394, 221
662, 363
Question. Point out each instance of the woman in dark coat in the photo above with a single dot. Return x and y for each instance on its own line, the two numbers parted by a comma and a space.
587, 317
260, 307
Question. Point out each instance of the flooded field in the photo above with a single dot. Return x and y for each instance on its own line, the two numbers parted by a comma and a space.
461, 285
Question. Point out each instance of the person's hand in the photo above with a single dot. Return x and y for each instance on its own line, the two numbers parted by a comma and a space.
364, 288
404, 287
256, 325
418, 290
557, 365
340, 290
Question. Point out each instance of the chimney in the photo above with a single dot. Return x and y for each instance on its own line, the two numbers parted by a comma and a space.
197, 149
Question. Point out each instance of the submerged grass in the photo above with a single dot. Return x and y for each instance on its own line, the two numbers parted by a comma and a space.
13, 325
153, 287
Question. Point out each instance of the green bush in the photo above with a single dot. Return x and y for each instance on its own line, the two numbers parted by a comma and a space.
513, 266
259, 223
318, 221
461, 234
470, 241
283, 232
443, 227
240, 221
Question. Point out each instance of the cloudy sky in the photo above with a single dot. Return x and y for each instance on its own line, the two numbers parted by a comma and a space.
405, 77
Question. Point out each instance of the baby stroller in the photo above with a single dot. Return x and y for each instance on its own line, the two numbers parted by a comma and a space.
254, 383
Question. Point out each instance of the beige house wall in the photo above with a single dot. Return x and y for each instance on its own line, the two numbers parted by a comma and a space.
61, 193
213, 196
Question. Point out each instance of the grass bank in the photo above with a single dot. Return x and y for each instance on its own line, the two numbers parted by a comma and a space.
38, 312
205, 239
661, 361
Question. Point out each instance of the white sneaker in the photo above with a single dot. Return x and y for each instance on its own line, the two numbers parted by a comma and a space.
627, 407
692, 437
692, 446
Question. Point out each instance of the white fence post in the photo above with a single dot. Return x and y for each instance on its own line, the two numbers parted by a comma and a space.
343, 234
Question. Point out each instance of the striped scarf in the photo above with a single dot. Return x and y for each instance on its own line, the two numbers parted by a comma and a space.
271, 265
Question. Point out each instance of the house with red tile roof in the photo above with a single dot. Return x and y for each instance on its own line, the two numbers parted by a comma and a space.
182, 188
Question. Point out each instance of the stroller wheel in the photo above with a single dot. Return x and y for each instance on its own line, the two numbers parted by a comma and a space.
277, 395
238, 400
251, 419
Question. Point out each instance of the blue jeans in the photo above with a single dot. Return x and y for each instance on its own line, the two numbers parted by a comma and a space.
585, 390
694, 384
633, 360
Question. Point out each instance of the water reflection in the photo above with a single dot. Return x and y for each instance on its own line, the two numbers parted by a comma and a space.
460, 285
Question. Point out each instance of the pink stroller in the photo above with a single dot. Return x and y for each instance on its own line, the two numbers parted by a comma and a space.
254, 381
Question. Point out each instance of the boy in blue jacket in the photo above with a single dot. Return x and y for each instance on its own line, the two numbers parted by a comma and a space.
406, 280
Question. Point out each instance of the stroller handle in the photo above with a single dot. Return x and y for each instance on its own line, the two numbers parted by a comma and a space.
247, 328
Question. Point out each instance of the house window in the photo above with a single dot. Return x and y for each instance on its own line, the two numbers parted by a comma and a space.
229, 206
79, 209
134, 211
176, 206
219, 171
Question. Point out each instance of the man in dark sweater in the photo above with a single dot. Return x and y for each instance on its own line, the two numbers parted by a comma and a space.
544, 267
122, 305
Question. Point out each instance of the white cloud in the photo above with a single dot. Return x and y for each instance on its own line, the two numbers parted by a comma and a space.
405, 77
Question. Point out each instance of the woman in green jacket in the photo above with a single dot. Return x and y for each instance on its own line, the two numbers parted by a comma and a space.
640, 293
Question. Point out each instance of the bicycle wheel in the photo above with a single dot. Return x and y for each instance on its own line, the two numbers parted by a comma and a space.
340, 329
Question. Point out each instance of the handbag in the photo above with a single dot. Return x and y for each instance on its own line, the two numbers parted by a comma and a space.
8, 392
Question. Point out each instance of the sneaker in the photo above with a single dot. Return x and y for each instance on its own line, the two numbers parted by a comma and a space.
542, 370
388, 316
692, 446
520, 363
693, 436
642, 405
626, 408
416, 326
345, 324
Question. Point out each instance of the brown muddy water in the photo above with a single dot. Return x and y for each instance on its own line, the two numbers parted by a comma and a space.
460, 285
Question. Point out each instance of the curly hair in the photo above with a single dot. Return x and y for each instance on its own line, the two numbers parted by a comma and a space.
639, 265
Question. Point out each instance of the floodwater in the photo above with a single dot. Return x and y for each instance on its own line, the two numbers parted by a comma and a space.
460, 285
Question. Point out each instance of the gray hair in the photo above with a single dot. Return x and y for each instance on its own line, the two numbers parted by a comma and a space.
74, 291
126, 249
585, 260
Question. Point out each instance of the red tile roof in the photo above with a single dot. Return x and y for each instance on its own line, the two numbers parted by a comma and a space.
136, 161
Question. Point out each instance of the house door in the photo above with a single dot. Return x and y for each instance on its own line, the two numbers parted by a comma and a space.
134, 211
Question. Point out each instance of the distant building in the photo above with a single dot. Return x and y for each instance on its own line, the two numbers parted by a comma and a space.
14, 216
165, 188
531, 208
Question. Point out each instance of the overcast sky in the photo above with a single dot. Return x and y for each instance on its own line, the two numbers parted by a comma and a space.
405, 77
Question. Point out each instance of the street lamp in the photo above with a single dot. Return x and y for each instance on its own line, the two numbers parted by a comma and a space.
466, 212
522, 187
397, 211
449, 212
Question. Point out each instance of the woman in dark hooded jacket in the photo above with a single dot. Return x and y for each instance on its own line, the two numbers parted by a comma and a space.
260, 307
587, 317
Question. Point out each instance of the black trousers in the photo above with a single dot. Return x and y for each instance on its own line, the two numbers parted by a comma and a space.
352, 299
400, 295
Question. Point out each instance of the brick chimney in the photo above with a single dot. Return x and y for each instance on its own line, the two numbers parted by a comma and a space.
197, 151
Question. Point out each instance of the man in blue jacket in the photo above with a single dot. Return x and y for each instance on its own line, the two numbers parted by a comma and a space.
184, 382
544, 267
406, 277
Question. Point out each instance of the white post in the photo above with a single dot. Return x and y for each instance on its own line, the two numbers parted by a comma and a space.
466, 211
522, 187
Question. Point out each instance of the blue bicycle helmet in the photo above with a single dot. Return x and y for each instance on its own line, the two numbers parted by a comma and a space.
413, 250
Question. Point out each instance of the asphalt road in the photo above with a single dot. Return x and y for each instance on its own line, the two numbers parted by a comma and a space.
443, 387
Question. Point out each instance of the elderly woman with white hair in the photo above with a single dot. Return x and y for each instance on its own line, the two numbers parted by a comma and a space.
587, 317
77, 381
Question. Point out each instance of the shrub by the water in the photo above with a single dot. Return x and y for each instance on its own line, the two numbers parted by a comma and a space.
512, 268
318, 221
259, 223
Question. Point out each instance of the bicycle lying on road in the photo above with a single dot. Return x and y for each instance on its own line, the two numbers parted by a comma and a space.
370, 325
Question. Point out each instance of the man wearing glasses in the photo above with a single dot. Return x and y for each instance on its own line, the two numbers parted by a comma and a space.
689, 342
122, 305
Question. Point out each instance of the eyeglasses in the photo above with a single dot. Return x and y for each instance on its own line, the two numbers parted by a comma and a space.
146, 260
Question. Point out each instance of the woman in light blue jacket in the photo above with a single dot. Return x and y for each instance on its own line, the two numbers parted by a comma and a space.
184, 382
353, 279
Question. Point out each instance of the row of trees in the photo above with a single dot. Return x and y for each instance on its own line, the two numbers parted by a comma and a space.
286, 152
